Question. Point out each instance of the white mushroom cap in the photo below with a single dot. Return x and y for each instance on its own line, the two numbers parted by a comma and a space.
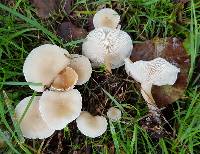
155, 72
106, 18
82, 66
32, 124
114, 114
43, 64
60, 108
91, 126
106, 45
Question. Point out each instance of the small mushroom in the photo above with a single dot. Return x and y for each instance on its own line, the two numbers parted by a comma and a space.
155, 72
43, 64
107, 46
65, 80
32, 124
114, 114
82, 66
91, 126
60, 108
106, 18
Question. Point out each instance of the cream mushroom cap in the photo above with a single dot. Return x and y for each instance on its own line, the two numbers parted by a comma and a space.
114, 114
104, 45
32, 124
60, 108
91, 126
106, 18
65, 80
156, 72
43, 64
82, 66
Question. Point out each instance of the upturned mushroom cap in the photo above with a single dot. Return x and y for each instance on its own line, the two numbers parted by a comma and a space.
107, 46
43, 64
156, 72
91, 126
82, 66
106, 18
32, 124
60, 108
114, 114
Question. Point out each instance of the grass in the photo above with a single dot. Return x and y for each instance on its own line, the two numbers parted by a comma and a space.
21, 31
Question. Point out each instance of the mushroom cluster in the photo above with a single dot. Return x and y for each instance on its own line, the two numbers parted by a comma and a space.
107, 44
57, 72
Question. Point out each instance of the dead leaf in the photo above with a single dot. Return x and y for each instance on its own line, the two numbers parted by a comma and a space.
45, 7
69, 31
173, 51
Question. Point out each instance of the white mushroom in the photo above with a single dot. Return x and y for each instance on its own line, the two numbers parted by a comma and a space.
32, 124
43, 64
106, 18
107, 46
114, 114
82, 66
155, 72
60, 108
91, 126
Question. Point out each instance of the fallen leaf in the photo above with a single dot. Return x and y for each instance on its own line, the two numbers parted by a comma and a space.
45, 7
69, 31
173, 51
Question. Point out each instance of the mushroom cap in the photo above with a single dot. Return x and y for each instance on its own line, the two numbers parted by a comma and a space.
82, 66
106, 18
156, 72
91, 126
114, 114
104, 42
65, 80
43, 64
60, 108
32, 124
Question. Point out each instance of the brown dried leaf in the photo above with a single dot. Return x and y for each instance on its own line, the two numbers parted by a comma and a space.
45, 7
69, 31
173, 51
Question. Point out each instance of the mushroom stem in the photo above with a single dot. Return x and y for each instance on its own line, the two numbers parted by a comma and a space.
107, 61
146, 93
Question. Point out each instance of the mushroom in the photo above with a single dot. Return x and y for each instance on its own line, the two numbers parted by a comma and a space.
43, 64
107, 46
60, 108
106, 18
49, 65
32, 124
114, 114
65, 80
155, 72
91, 126
82, 66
